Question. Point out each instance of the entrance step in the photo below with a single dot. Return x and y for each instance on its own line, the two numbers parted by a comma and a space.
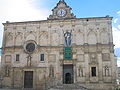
68, 87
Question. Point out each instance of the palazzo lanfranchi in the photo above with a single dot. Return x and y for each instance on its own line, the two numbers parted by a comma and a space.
60, 53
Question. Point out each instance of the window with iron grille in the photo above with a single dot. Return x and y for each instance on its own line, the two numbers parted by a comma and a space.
17, 57
41, 57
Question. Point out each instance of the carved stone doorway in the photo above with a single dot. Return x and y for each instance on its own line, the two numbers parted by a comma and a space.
68, 74
28, 79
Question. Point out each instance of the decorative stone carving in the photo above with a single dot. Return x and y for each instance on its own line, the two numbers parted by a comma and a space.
79, 38
31, 37
52, 57
104, 37
29, 60
80, 57
51, 71
80, 71
18, 38
8, 59
106, 71
93, 58
7, 71
106, 56
92, 39
55, 39
9, 39
43, 38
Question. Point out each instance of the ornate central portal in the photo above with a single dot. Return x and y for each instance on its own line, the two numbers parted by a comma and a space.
67, 74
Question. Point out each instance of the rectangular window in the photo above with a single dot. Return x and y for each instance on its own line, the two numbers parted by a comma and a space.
17, 57
93, 71
41, 57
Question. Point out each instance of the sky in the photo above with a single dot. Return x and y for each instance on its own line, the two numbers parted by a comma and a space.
32, 10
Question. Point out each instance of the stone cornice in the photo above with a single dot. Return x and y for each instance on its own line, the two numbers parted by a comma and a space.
48, 21
75, 46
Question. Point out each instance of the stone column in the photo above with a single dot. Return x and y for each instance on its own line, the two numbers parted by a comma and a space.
100, 68
61, 66
114, 67
87, 70
110, 30
75, 73
85, 32
98, 36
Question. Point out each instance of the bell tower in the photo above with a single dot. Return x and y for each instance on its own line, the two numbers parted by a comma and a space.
61, 11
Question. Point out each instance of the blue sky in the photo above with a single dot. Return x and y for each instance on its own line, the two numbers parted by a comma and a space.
31, 10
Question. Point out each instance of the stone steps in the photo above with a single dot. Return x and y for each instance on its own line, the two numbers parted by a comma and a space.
68, 87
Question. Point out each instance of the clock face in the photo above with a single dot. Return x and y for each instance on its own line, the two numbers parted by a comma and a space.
61, 12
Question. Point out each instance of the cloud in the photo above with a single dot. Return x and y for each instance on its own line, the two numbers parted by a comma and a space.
118, 61
116, 35
118, 26
115, 20
114, 29
118, 58
118, 12
21, 10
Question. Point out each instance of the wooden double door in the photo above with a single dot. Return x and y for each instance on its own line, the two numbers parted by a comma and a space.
28, 79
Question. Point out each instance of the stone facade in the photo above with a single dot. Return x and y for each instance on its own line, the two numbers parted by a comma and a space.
93, 62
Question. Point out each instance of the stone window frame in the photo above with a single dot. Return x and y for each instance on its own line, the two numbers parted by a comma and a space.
42, 53
6, 56
106, 71
42, 57
17, 57
91, 70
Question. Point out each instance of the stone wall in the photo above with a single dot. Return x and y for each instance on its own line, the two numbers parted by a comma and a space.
92, 46
51, 33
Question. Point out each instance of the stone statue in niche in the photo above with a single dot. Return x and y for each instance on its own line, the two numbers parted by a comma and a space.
80, 71
29, 60
107, 72
67, 36
51, 71
7, 71
93, 58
